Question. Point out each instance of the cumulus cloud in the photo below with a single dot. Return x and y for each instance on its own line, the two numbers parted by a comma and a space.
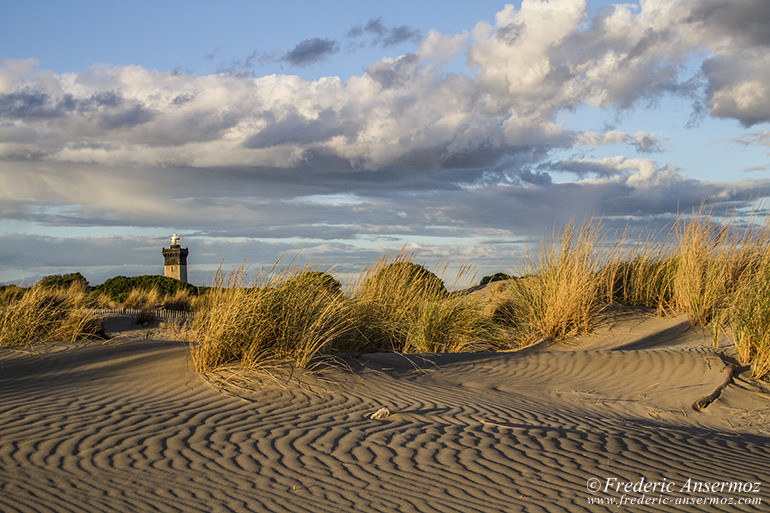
739, 85
532, 64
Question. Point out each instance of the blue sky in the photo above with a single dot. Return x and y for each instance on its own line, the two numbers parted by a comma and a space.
339, 130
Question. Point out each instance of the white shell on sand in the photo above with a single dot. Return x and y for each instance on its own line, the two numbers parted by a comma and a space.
382, 413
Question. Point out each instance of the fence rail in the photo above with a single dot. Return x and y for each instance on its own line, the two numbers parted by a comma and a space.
168, 315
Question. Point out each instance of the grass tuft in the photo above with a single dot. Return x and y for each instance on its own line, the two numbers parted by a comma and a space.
291, 315
558, 295
42, 314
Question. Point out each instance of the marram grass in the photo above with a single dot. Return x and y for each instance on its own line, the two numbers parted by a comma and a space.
299, 315
558, 295
274, 317
715, 271
40, 315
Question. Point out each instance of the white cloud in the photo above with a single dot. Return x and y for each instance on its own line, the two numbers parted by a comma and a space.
643, 141
739, 85
532, 64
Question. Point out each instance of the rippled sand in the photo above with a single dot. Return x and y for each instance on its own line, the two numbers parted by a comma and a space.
128, 426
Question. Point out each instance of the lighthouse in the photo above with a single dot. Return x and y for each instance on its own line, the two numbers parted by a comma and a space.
175, 257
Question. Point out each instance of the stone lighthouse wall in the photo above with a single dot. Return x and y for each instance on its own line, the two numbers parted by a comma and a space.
175, 265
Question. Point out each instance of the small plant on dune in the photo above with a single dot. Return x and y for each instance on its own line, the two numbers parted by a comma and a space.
711, 269
641, 276
703, 256
748, 300
750, 319
63, 281
642, 282
118, 288
712, 259
144, 317
181, 300
10, 293
501, 276
403, 307
314, 282
388, 279
42, 314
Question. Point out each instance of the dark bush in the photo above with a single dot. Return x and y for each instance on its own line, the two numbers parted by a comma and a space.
119, 287
10, 293
144, 317
405, 278
495, 277
63, 281
313, 281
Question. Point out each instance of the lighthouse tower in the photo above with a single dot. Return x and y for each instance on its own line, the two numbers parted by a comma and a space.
175, 260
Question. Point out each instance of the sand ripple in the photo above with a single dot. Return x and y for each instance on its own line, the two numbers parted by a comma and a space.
130, 427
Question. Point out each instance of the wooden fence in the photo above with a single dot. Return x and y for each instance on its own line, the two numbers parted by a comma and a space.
168, 315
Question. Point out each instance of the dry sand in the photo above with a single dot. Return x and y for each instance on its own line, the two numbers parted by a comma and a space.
126, 425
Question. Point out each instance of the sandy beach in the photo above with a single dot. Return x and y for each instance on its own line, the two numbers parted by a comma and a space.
126, 425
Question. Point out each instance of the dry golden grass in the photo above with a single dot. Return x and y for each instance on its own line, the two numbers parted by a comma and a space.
278, 316
451, 325
40, 315
143, 299
749, 318
715, 270
711, 270
299, 315
559, 294
640, 275
401, 306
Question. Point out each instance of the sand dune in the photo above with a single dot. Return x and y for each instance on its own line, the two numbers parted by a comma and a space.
128, 426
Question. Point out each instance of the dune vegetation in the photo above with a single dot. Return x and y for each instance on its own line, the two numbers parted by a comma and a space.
717, 271
301, 314
42, 314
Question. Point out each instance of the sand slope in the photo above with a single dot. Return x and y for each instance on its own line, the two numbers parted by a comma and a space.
127, 426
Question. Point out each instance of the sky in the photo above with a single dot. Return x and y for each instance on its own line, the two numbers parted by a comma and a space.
337, 131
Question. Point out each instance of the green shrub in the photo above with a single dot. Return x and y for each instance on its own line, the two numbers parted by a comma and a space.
314, 282
63, 281
494, 277
400, 306
119, 288
403, 277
